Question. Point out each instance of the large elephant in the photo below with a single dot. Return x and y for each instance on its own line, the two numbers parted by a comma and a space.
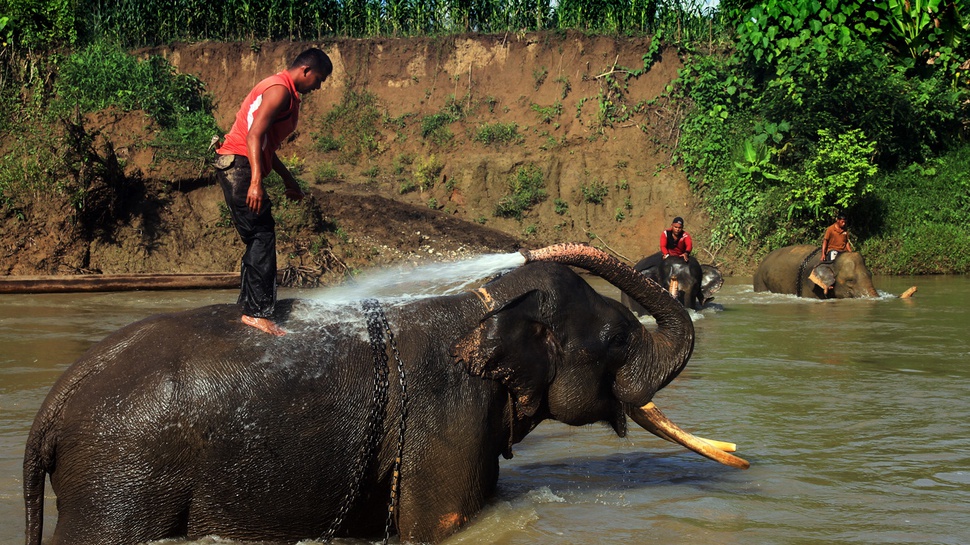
361, 420
789, 270
689, 282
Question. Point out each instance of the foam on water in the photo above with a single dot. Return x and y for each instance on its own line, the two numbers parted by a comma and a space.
431, 280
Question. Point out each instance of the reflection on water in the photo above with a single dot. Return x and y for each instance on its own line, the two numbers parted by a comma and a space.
854, 415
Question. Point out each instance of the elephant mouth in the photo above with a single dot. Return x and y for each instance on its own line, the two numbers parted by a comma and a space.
651, 419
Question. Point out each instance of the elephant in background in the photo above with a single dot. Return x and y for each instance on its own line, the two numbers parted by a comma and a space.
361, 420
689, 282
789, 270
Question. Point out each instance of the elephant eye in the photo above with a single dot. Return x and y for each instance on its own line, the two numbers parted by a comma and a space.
618, 338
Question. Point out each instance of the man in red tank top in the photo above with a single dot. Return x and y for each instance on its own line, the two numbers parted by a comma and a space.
675, 241
267, 116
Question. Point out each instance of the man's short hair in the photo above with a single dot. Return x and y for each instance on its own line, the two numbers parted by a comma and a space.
315, 59
840, 216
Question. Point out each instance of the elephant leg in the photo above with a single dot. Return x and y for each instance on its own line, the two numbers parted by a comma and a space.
439, 497
127, 512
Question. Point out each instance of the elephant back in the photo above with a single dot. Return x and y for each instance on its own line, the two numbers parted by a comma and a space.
786, 270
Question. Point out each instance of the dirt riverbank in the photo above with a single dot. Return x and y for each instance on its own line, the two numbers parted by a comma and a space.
393, 190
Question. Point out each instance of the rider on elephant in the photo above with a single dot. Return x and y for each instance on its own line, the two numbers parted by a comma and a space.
675, 241
836, 239
834, 242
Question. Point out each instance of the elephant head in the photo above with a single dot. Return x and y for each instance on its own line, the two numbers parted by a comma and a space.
689, 282
650, 359
711, 281
848, 276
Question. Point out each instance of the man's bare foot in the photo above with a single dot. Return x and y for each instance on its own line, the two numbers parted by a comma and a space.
264, 324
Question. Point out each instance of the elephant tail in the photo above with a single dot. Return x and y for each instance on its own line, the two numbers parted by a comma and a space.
35, 476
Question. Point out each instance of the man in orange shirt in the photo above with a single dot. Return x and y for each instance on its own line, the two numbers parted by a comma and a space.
836, 239
268, 115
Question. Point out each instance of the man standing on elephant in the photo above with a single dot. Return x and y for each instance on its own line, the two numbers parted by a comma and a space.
267, 116
675, 241
836, 239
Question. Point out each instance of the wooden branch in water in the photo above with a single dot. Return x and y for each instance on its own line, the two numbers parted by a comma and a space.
117, 282
618, 254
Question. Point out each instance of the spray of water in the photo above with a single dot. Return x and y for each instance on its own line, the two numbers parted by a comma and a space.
417, 282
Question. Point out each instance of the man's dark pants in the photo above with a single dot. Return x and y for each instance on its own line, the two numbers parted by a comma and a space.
257, 295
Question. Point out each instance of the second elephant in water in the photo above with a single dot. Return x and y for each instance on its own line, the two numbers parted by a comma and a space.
788, 270
689, 282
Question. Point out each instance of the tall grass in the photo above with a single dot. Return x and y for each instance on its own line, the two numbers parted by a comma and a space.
150, 22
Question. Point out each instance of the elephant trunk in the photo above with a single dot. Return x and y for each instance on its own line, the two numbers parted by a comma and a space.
651, 419
672, 342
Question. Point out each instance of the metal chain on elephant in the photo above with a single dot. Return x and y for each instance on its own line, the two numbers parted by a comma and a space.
801, 270
375, 423
402, 427
377, 325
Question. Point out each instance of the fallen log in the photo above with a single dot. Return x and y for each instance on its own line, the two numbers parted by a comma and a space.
117, 282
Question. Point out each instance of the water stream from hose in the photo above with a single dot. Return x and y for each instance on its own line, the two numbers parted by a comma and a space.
431, 280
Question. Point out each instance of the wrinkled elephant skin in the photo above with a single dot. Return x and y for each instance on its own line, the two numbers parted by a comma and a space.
787, 270
193, 424
689, 282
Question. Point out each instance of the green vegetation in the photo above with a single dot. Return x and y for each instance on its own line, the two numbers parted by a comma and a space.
786, 111
561, 207
828, 106
351, 127
498, 133
548, 113
50, 151
326, 171
595, 192
917, 223
427, 171
526, 188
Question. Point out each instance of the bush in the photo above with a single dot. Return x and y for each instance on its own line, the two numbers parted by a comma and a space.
356, 119
102, 75
498, 133
837, 178
526, 188
594, 193
915, 222
426, 171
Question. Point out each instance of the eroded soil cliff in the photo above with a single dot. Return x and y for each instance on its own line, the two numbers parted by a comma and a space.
407, 192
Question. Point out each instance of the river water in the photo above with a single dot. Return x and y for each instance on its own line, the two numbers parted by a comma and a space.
855, 416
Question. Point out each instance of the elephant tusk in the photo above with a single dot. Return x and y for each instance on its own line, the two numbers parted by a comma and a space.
651, 419
674, 287
720, 445
908, 293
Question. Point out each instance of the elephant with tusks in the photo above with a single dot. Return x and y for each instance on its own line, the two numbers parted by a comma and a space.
800, 270
368, 420
687, 281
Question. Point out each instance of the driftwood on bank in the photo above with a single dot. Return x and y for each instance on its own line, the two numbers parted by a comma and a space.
117, 282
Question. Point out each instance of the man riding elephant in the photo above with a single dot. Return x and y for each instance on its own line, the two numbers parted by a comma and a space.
790, 270
834, 242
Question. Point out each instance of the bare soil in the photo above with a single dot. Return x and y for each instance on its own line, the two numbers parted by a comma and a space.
164, 216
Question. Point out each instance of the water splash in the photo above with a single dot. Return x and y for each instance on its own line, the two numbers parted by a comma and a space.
431, 280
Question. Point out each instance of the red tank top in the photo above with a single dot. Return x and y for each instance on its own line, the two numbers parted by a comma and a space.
281, 127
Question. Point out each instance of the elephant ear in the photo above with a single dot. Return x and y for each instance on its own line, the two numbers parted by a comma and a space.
711, 281
653, 273
825, 274
513, 346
